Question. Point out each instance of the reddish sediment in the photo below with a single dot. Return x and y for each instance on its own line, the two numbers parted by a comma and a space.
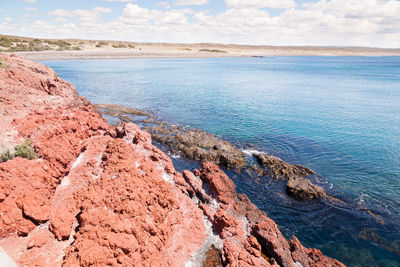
101, 195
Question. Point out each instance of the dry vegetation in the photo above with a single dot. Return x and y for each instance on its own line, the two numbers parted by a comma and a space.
3, 64
24, 150
22, 44
212, 51
8, 44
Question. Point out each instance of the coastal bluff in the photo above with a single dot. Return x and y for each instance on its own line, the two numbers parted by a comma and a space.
97, 195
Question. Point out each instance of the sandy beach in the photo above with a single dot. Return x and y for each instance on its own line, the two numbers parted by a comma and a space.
153, 50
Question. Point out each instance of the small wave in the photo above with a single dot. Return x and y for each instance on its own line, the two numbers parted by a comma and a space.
361, 199
250, 152
174, 156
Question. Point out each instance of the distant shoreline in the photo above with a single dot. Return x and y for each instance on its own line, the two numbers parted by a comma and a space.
75, 49
178, 51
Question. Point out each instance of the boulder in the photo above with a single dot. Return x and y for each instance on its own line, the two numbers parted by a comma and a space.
298, 186
280, 169
302, 189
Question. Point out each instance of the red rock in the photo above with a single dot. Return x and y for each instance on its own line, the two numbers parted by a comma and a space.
310, 256
27, 187
36, 205
142, 138
274, 243
150, 208
39, 239
61, 223
225, 225
222, 188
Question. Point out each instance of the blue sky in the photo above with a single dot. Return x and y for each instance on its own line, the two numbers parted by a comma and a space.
264, 22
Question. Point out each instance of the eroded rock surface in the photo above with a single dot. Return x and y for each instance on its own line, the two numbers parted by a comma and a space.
101, 195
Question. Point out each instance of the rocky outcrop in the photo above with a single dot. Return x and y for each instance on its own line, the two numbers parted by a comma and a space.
201, 146
280, 169
102, 195
298, 186
192, 144
249, 237
302, 189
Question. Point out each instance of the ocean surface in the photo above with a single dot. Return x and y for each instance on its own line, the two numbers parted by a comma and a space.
339, 116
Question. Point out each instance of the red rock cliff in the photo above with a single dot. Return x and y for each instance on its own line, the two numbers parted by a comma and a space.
101, 195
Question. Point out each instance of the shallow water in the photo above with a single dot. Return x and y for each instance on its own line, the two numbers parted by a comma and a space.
337, 115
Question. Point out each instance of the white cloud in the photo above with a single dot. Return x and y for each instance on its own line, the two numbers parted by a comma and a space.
325, 22
123, 1
164, 4
31, 9
280, 4
60, 20
30, 1
8, 19
135, 15
190, 2
1, 10
357, 9
83, 14
103, 9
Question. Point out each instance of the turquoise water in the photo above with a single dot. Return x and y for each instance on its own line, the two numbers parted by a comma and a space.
337, 115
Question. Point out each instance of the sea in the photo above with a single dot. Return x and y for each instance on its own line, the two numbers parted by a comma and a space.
339, 116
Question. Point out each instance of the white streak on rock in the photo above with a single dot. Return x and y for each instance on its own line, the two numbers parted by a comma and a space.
212, 239
78, 160
5, 260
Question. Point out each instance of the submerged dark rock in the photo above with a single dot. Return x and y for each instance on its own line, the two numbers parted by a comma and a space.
202, 146
302, 189
298, 186
280, 169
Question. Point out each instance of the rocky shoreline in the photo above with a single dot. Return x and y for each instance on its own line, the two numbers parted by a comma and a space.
198, 145
105, 195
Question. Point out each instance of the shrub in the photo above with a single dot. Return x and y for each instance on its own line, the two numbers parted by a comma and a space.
6, 156
3, 64
25, 150
21, 47
5, 42
212, 50
101, 43
59, 43
119, 46
36, 41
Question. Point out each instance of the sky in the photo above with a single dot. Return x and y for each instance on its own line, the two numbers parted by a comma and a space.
372, 23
